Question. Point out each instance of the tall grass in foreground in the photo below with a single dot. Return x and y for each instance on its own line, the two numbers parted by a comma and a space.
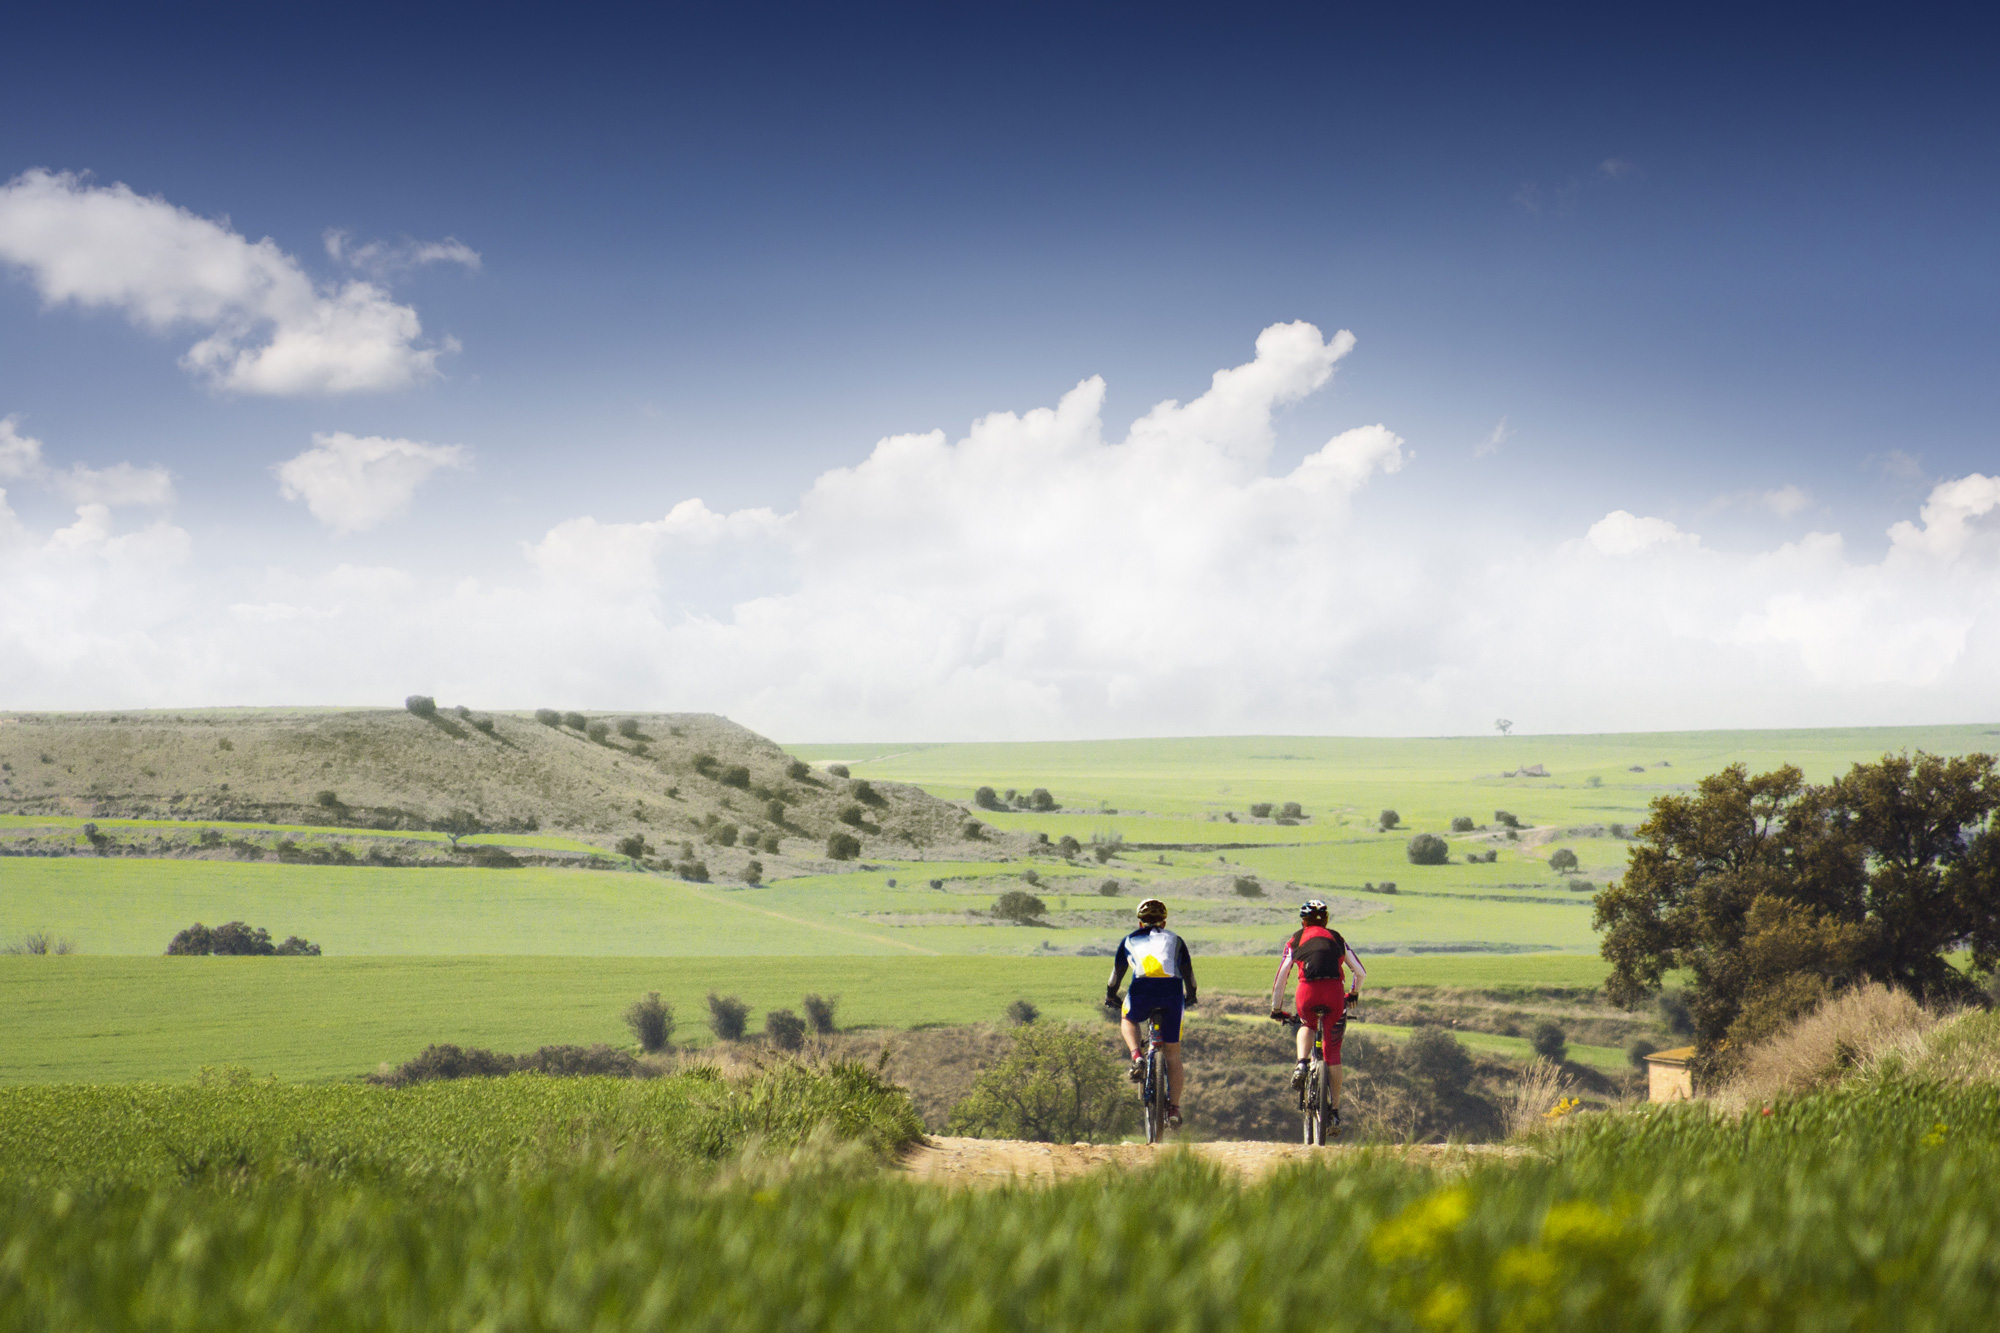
1839, 1211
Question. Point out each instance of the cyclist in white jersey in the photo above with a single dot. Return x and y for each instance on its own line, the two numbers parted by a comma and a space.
1163, 979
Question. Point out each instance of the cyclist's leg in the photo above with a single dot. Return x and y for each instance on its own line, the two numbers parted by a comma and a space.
1172, 1051
1133, 1038
1335, 1031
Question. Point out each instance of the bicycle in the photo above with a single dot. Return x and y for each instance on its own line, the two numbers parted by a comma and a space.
1153, 1076
1317, 1113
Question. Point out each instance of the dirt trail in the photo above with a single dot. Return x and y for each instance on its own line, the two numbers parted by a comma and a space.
998, 1161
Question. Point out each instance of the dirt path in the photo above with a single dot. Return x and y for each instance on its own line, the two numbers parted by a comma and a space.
997, 1161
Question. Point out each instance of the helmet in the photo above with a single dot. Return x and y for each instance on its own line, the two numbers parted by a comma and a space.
1153, 912
1313, 912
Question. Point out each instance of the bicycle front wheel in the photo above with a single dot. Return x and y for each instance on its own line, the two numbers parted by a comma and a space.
1156, 1101
1323, 1112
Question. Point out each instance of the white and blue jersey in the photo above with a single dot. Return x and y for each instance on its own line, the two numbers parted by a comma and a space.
1162, 977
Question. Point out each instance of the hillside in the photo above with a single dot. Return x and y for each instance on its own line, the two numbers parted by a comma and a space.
670, 778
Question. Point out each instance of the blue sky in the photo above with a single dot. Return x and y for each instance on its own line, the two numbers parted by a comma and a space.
1727, 274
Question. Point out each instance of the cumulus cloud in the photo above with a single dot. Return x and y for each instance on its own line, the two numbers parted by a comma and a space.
1042, 574
354, 483
119, 484
266, 327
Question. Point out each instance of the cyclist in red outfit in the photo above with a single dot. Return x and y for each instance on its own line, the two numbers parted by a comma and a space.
1319, 953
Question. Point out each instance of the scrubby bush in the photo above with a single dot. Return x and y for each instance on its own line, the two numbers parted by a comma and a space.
843, 846
1022, 1011
1261, 810
1388, 819
598, 732
985, 799
41, 943
575, 721
1615, 830
693, 870
1067, 846
422, 705
1562, 860
863, 790
548, 717
483, 725
634, 846
327, 798
1032, 876
1428, 849
798, 770
1675, 1013
774, 810
972, 831
706, 765
723, 835
1581, 886
1019, 906
1550, 1041
1291, 810
1057, 1084
1039, 799
820, 1012
1461, 824
1103, 851
753, 873
1506, 819
1246, 886
1108, 889
652, 1022
838, 770
629, 728
736, 775
785, 1029
727, 1017
770, 842
235, 939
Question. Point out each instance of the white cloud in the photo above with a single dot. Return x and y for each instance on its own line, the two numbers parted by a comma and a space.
20, 455
269, 329
119, 484
352, 484
1785, 501
384, 259
1044, 576
1491, 444
1616, 168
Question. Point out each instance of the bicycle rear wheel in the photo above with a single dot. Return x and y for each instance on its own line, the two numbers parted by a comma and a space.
1323, 1112
1156, 1108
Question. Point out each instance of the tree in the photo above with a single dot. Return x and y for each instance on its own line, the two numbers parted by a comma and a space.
1389, 819
296, 947
575, 721
422, 705
652, 1022
634, 846
548, 717
820, 1011
1291, 810
1040, 799
985, 799
1461, 824
843, 847
753, 873
785, 1029
1550, 1041
1428, 849
1562, 860
629, 729
798, 770
736, 775
1506, 820
1261, 810
727, 1017
853, 815
458, 824
774, 810
1503, 726
1068, 846
1019, 906
1774, 893
598, 732
1057, 1084
837, 770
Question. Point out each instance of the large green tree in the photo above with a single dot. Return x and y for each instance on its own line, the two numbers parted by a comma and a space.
1774, 892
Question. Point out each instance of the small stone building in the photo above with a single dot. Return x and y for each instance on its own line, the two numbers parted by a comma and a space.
1667, 1077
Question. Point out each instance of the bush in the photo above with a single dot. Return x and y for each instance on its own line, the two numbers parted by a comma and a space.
575, 721
327, 798
1068, 846
598, 732
458, 824
422, 705
864, 791
695, 871
1261, 810
1019, 906
852, 815
753, 873
1291, 810
838, 770
1039, 799
629, 728
634, 846
723, 835
798, 770
1615, 830
972, 831
1562, 860
770, 842
548, 717
652, 1023
296, 947
1428, 849
727, 1017
1247, 887
236, 939
736, 775
1637, 1052
1581, 886
820, 1011
1108, 889
985, 799
843, 847
774, 810
1550, 1042
1388, 819
706, 764
785, 1029
1506, 820
1103, 851
1461, 824
1032, 876
1022, 1011
1057, 1084
483, 724
41, 943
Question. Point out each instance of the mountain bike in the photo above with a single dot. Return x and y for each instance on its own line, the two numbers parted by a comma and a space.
1153, 1079
1317, 1113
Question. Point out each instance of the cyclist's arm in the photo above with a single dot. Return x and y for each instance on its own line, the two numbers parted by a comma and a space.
1185, 965
1354, 970
1118, 966
1278, 982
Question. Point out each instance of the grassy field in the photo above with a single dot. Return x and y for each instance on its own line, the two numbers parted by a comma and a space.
98, 1019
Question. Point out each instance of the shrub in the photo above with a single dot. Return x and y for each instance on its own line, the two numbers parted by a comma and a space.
296, 947
1103, 851
863, 790
1019, 906
1291, 810
458, 824
985, 799
1388, 819
1428, 849
575, 721
774, 810
736, 775
1247, 887
1056, 1084
785, 1029
1562, 860
696, 871
853, 815
972, 831
234, 938
1637, 1052
770, 842
1108, 889
706, 764
634, 846
1436, 1057
1261, 810
937, 884
1039, 799
598, 732
1550, 1041
327, 798
753, 873
1068, 846
1615, 830
843, 846
838, 770
422, 705
820, 1012
483, 724
1506, 820
1581, 886
41, 943
1461, 824
652, 1022
548, 717
1032, 876
798, 770
629, 728
727, 1017
723, 835
1022, 1012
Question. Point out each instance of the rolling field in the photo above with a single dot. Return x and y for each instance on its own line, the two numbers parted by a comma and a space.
94, 1019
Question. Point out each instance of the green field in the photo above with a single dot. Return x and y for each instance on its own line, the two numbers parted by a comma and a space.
119, 1019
